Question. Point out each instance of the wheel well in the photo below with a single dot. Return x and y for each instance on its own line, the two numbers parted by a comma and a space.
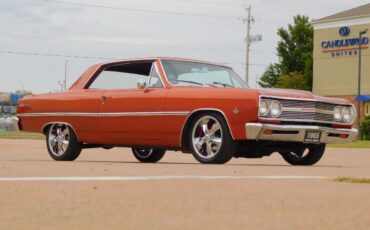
186, 129
47, 126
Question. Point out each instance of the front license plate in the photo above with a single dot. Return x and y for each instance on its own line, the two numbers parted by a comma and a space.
312, 136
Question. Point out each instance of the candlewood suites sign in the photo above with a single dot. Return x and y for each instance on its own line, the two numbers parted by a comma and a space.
346, 46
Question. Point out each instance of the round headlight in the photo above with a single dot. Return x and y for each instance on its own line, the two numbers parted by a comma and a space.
275, 109
264, 108
347, 114
338, 113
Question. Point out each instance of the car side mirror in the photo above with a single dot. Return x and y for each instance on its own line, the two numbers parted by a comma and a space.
141, 84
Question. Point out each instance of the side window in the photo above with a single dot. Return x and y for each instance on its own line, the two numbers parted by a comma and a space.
155, 79
122, 76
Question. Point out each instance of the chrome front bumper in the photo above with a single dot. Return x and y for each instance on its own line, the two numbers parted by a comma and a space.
296, 133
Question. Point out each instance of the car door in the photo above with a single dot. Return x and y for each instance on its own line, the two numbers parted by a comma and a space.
129, 115
84, 104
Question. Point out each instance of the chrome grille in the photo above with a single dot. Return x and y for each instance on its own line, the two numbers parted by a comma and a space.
302, 110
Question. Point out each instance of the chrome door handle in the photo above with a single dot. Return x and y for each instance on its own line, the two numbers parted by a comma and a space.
106, 97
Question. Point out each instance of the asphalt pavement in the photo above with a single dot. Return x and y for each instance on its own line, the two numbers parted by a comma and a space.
109, 189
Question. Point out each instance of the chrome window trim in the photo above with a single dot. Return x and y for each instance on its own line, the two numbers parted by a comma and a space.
108, 65
227, 67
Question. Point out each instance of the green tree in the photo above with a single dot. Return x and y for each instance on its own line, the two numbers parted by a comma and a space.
365, 128
293, 80
270, 77
295, 53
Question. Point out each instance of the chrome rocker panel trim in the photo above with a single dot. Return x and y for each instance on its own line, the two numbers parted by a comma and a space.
255, 131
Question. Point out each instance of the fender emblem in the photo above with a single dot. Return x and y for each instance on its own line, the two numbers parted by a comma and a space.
236, 110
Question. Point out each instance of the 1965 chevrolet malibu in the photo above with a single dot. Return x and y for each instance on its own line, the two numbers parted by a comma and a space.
158, 104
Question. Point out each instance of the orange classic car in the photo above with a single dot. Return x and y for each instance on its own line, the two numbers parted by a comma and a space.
156, 104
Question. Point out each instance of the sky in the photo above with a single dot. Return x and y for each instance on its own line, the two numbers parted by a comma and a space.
39, 37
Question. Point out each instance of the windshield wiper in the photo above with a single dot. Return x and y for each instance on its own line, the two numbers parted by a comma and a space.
193, 82
197, 83
223, 84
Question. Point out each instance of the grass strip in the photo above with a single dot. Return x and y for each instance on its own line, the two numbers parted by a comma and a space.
353, 180
356, 144
20, 135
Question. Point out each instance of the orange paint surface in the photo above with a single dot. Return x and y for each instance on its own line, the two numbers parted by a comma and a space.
148, 130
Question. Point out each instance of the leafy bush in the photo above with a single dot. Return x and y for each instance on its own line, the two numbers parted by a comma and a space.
365, 128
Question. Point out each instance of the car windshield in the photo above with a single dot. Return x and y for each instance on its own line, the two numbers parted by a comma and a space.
199, 74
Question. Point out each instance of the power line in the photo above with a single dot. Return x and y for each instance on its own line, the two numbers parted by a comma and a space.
214, 3
43, 37
240, 63
225, 3
90, 57
155, 11
53, 55
142, 10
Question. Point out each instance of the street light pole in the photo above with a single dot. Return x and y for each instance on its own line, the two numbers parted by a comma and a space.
359, 75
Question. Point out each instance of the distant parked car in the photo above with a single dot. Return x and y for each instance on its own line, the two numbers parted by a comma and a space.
158, 104
11, 123
2, 123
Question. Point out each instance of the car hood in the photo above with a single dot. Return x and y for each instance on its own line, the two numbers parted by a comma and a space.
299, 94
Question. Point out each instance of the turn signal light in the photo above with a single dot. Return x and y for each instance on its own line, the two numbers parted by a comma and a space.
268, 132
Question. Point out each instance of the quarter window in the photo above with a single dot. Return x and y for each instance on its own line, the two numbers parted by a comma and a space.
125, 76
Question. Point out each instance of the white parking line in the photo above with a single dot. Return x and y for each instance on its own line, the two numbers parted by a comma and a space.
147, 178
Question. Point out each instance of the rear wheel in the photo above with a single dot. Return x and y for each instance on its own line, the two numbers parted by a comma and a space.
148, 155
210, 139
62, 143
305, 156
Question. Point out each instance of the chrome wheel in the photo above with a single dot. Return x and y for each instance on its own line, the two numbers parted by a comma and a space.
299, 154
143, 153
308, 155
148, 155
207, 137
58, 139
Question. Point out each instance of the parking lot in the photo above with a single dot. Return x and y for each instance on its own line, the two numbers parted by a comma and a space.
109, 189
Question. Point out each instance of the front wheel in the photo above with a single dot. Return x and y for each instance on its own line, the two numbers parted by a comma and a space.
62, 143
306, 156
148, 155
210, 139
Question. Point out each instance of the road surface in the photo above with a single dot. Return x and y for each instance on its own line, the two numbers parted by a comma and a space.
109, 189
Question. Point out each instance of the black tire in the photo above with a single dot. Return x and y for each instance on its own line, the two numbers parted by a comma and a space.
224, 150
148, 155
72, 149
314, 154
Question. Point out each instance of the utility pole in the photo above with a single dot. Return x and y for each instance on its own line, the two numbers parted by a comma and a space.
65, 76
248, 21
249, 39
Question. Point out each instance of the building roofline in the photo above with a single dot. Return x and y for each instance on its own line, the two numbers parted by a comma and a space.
319, 21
